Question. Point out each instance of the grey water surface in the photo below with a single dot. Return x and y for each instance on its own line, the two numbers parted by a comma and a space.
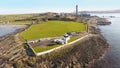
8, 29
112, 35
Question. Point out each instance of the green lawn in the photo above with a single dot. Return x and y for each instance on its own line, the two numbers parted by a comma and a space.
72, 39
38, 49
20, 23
52, 29
14, 17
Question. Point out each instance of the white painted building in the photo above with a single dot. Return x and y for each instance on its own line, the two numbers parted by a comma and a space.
63, 40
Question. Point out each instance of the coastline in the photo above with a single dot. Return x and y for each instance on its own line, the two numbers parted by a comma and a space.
93, 28
97, 63
9, 41
16, 31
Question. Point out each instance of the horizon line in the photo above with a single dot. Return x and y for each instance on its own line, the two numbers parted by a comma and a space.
21, 13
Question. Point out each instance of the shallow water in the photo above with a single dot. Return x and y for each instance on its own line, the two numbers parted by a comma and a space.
112, 34
8, 29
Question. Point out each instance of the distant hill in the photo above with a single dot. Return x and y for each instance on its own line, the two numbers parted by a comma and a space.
110, 11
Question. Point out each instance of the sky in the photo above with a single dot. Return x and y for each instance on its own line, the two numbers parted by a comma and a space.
41, 6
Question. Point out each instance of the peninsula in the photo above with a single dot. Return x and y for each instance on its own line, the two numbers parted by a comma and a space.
44, 43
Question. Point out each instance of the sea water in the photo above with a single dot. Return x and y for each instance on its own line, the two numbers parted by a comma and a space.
112, 34
8, 29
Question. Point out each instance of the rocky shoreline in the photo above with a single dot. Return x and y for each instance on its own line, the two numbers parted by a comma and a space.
93, 28
84, 54
9, 45
79, 55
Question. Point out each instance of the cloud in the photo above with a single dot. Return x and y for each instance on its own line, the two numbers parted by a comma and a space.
18, 11
24, 11
42, 10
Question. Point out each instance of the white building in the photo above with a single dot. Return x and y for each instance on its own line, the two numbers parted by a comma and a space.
63, 40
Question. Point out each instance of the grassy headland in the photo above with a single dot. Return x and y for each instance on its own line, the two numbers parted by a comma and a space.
52, 29
77, 55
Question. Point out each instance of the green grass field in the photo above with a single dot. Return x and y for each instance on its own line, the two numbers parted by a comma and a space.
14, 17
20, 23
38, 49
52, 29
72, 39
